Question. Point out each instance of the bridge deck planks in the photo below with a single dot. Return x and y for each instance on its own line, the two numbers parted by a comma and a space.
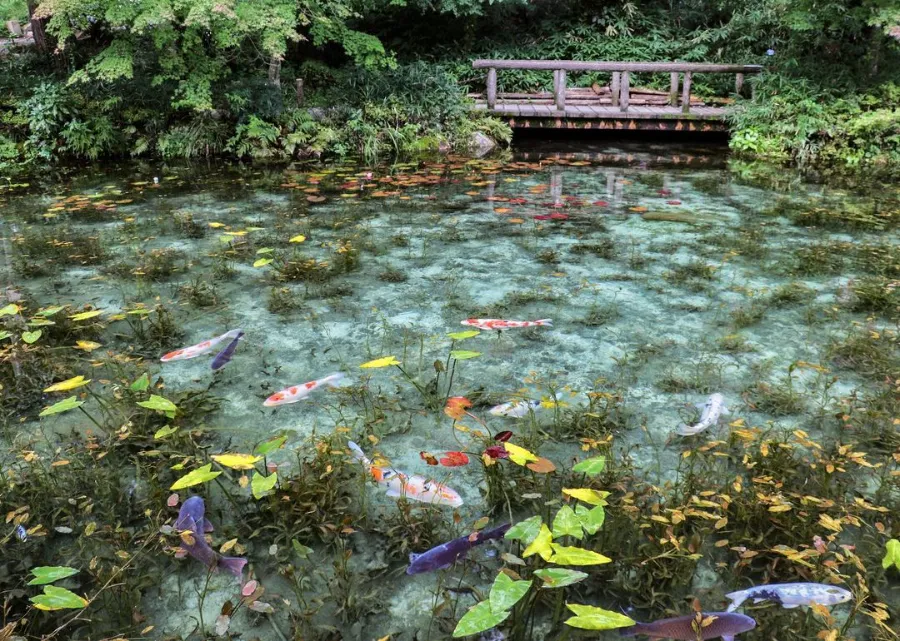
604, 112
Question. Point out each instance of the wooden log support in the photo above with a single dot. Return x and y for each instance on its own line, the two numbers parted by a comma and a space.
686, 93
614, 85
634, 67
492, 87
559, 88
738, 83
673, 88
625, 92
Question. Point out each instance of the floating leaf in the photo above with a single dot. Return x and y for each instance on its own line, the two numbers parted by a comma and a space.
299, 238
456, 407
264, 250
5, 334
505, 593
262, 484
519, 455
541, 545
892, 554
576, 556
237, 461
158, 403
223, 622
262, 262
525, 531
479, 618
463, 354
141, 384
542, 466
271, 445
386, 361
86, 315
49, 574
198, 476
460, 336
559, 577
55, 598
31, 337
566, 524
591, 618
591, 466
591, 520
259, 606
163, 432
68, 384
9, 310
593, 497
63, 406
454, 459
302, 551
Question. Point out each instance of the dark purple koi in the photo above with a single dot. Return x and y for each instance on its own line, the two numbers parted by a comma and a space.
724, 624
225, 355
192, 523
446, 554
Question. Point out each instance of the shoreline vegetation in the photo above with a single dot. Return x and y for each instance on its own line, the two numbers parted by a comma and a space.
280, 80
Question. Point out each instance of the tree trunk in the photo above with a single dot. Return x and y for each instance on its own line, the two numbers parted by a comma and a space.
275, 71
37, 29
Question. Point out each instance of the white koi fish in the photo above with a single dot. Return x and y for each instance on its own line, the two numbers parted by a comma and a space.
199, 349
498, 324
299, 392
712, 411
515, 409
791, 595
399, 484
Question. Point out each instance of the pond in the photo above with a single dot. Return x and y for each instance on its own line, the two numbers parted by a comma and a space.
724, 336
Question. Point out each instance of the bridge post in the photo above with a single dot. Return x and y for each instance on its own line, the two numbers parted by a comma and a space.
686, 93
673, 88
738, 83
614, 85
623, 99
559, 88
492, 88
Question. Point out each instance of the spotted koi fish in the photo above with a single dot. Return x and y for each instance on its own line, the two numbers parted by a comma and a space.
415, 487
299, 392
199, 349
498, 324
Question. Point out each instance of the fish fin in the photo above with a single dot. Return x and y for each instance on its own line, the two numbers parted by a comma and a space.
357, 450
759, 600
413, 556
446, 566
394, 494
185, 523
701, 405
338, 379
233, 564
632, 630
790, 606
544, 322
207, 526
737, 598
684, 430
727, 637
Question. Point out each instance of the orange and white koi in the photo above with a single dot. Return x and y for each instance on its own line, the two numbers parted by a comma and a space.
296, 393
199, 349
498, 324
414, 487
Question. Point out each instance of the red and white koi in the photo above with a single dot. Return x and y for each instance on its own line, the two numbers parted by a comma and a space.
296, 393
498, 324
199, 349
413, 487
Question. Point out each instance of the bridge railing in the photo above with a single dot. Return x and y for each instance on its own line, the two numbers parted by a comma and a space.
621, 77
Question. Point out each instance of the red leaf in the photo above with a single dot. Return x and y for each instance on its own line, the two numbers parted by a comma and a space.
456, 407
496, 451
429, 458
559, 216
503, 436
673, 202
455, 459
601, 203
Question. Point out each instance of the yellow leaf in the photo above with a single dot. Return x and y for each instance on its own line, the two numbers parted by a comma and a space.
592, 497
237, 461
216, 225
70, 384
380, 362
86, 315
541, 544
832, 524
780, 508
299, 238
226, 546
88, 346
519, 455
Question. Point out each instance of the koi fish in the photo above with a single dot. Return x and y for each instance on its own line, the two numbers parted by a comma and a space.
515, 409
193, 525
791, 595
299, 392
225, 355
712, 410
199, 349
446, 554
725, 625
415, 487
498, 324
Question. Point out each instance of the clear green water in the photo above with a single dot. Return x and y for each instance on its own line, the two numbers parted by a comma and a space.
668, 276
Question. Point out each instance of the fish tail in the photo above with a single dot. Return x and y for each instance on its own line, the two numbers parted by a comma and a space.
338, 379
233, 564
357, 452
496, 533
684, 430
737, 598
544, 322
632, 630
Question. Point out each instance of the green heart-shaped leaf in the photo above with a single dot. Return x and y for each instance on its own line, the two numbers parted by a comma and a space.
49, 574
63, 406
31, 337
505, 593
55, 598
478, 619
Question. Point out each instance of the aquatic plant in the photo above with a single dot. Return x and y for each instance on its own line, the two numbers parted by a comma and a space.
282, 300
199, 293
393, 275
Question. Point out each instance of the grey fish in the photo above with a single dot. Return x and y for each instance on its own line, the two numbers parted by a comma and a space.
191, 519
725, 625
225, 355
446, 554
712, 411
21, 534
791, 595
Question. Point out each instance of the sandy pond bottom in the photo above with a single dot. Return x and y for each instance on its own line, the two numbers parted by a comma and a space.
668, 276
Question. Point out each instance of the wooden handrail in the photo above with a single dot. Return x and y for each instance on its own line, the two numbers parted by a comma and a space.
621, 72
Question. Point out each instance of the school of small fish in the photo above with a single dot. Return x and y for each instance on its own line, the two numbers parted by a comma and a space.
193, 526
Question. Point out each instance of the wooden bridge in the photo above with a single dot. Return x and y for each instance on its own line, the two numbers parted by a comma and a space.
614, 106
